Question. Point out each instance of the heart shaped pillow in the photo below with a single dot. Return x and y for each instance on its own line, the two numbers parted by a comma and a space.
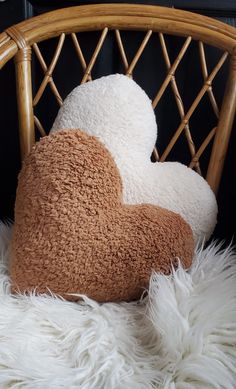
72, 232
116, 110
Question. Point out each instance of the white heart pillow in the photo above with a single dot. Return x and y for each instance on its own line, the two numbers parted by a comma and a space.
116, 110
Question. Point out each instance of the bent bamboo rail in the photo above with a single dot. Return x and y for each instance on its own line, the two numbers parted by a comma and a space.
18, 41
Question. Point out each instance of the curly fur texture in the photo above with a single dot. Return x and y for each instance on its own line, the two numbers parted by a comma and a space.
116, 110
73, 234
181, 336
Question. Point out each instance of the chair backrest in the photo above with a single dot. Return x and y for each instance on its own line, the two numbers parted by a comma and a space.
21, 40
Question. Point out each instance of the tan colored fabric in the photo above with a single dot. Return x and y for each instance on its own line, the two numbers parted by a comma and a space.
72, 233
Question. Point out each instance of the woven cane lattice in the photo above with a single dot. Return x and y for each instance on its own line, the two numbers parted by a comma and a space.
129, 68
193, 94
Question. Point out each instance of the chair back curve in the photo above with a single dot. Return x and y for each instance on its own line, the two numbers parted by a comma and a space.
156, 25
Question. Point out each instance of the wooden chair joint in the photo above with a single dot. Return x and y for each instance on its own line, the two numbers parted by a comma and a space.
194, 160
17, 36
23, 55
4, 39
209, 84
48, 73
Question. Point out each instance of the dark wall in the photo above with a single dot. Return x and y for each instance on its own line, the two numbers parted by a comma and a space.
12, 11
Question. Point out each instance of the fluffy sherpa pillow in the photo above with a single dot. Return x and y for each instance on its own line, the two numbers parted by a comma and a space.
72, 233
116, 110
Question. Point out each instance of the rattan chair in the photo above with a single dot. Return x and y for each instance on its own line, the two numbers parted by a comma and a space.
21, 40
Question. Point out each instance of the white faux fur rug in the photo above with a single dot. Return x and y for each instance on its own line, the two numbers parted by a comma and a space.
181, 336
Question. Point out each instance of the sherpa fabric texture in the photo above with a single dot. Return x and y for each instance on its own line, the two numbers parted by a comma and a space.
116, 110
72, 234
182, 335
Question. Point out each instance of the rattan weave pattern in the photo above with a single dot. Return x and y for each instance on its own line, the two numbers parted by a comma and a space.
129, 70
155, 22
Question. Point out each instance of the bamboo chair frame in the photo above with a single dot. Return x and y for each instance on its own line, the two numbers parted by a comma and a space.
19, 40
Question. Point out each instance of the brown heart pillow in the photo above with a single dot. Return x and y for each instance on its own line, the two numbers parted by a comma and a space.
73, 234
